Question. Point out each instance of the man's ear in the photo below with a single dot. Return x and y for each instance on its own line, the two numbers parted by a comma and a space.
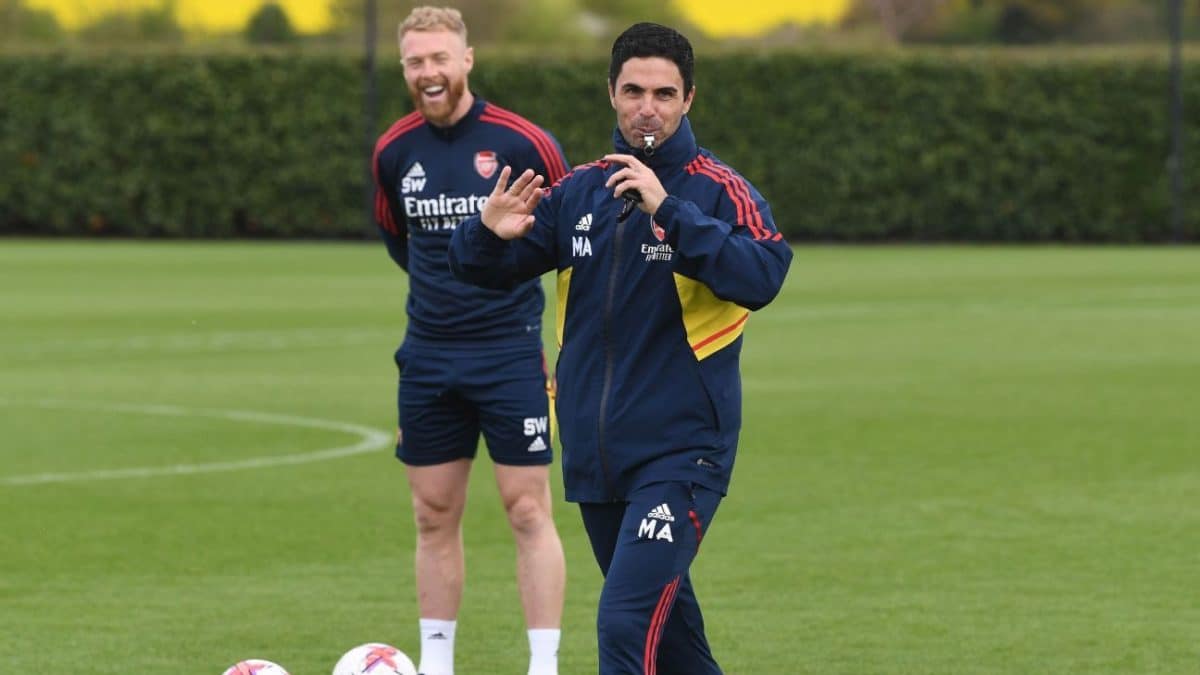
687, 102
469, 58
612, 95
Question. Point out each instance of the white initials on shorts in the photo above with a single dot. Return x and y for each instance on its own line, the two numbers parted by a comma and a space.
535, 426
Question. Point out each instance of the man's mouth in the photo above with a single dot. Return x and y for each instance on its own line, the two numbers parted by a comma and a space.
433, 92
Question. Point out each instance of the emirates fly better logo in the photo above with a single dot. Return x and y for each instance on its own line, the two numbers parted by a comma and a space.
661, 252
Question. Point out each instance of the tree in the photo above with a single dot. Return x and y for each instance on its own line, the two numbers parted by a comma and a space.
21, 23
152, 24
270, 25
900, 16
620, 14
543, 22
489, 22
897, 18
1012, 21
1024, 21
486, 19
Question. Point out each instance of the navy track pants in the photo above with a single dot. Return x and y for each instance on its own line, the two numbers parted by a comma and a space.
649, 621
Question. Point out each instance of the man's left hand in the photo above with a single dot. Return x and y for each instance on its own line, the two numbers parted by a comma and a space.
636, 176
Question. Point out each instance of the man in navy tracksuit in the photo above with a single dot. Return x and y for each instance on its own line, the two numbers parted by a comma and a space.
471, 360
651, 310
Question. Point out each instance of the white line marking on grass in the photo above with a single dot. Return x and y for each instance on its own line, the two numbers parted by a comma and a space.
371, 439
203, 342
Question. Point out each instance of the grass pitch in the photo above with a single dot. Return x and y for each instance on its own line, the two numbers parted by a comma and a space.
955, 461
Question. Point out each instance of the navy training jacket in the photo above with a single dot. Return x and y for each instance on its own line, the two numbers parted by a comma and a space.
428, 180
650, 314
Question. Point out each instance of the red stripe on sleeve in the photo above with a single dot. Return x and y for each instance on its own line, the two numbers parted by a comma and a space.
753, 207
555, 167
738, 203
383, 211
600, 163
698, 166
550, 157
743, 188
733, 182
402, 126
738, 191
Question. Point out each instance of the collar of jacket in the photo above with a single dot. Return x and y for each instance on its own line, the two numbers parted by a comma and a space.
460, 127
678, 150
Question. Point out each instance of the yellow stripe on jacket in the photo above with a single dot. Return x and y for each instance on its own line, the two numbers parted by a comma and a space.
564, 287
711, 323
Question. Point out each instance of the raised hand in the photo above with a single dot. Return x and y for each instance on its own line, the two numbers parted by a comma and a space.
508, 210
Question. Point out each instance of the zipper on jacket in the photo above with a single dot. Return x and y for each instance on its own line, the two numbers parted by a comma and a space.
609, 357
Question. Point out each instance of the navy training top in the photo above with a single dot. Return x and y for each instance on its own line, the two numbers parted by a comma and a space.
428, 180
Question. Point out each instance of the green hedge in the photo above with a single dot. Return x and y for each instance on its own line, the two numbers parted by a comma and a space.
845, 147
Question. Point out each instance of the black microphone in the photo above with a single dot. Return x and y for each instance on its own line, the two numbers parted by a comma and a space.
633, 197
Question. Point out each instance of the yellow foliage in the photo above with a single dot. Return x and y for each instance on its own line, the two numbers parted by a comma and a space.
715, 17
725, 18
223, 15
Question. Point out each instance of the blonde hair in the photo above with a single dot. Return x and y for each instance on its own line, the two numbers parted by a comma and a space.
434, 18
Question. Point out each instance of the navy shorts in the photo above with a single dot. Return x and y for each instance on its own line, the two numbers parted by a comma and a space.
447, 397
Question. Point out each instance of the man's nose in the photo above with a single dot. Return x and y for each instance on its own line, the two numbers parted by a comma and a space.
646, 107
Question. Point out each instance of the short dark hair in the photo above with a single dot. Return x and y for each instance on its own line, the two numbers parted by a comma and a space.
643, 40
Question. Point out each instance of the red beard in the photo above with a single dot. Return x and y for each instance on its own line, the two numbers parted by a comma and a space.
438, 112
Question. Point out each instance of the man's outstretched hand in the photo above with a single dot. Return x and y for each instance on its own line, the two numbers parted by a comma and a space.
508, 212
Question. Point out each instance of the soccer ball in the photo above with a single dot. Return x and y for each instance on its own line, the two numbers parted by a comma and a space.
374, 658
255, 667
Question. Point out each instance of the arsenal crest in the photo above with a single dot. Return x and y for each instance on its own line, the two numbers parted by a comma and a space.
659, 232
486, 163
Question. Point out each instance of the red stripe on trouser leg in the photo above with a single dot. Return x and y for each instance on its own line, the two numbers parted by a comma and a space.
657, 623
699, 527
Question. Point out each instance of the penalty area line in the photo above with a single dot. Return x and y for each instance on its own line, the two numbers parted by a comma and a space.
369, 440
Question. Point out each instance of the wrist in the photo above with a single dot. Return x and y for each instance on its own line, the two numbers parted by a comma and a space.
665, 210
484, 235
